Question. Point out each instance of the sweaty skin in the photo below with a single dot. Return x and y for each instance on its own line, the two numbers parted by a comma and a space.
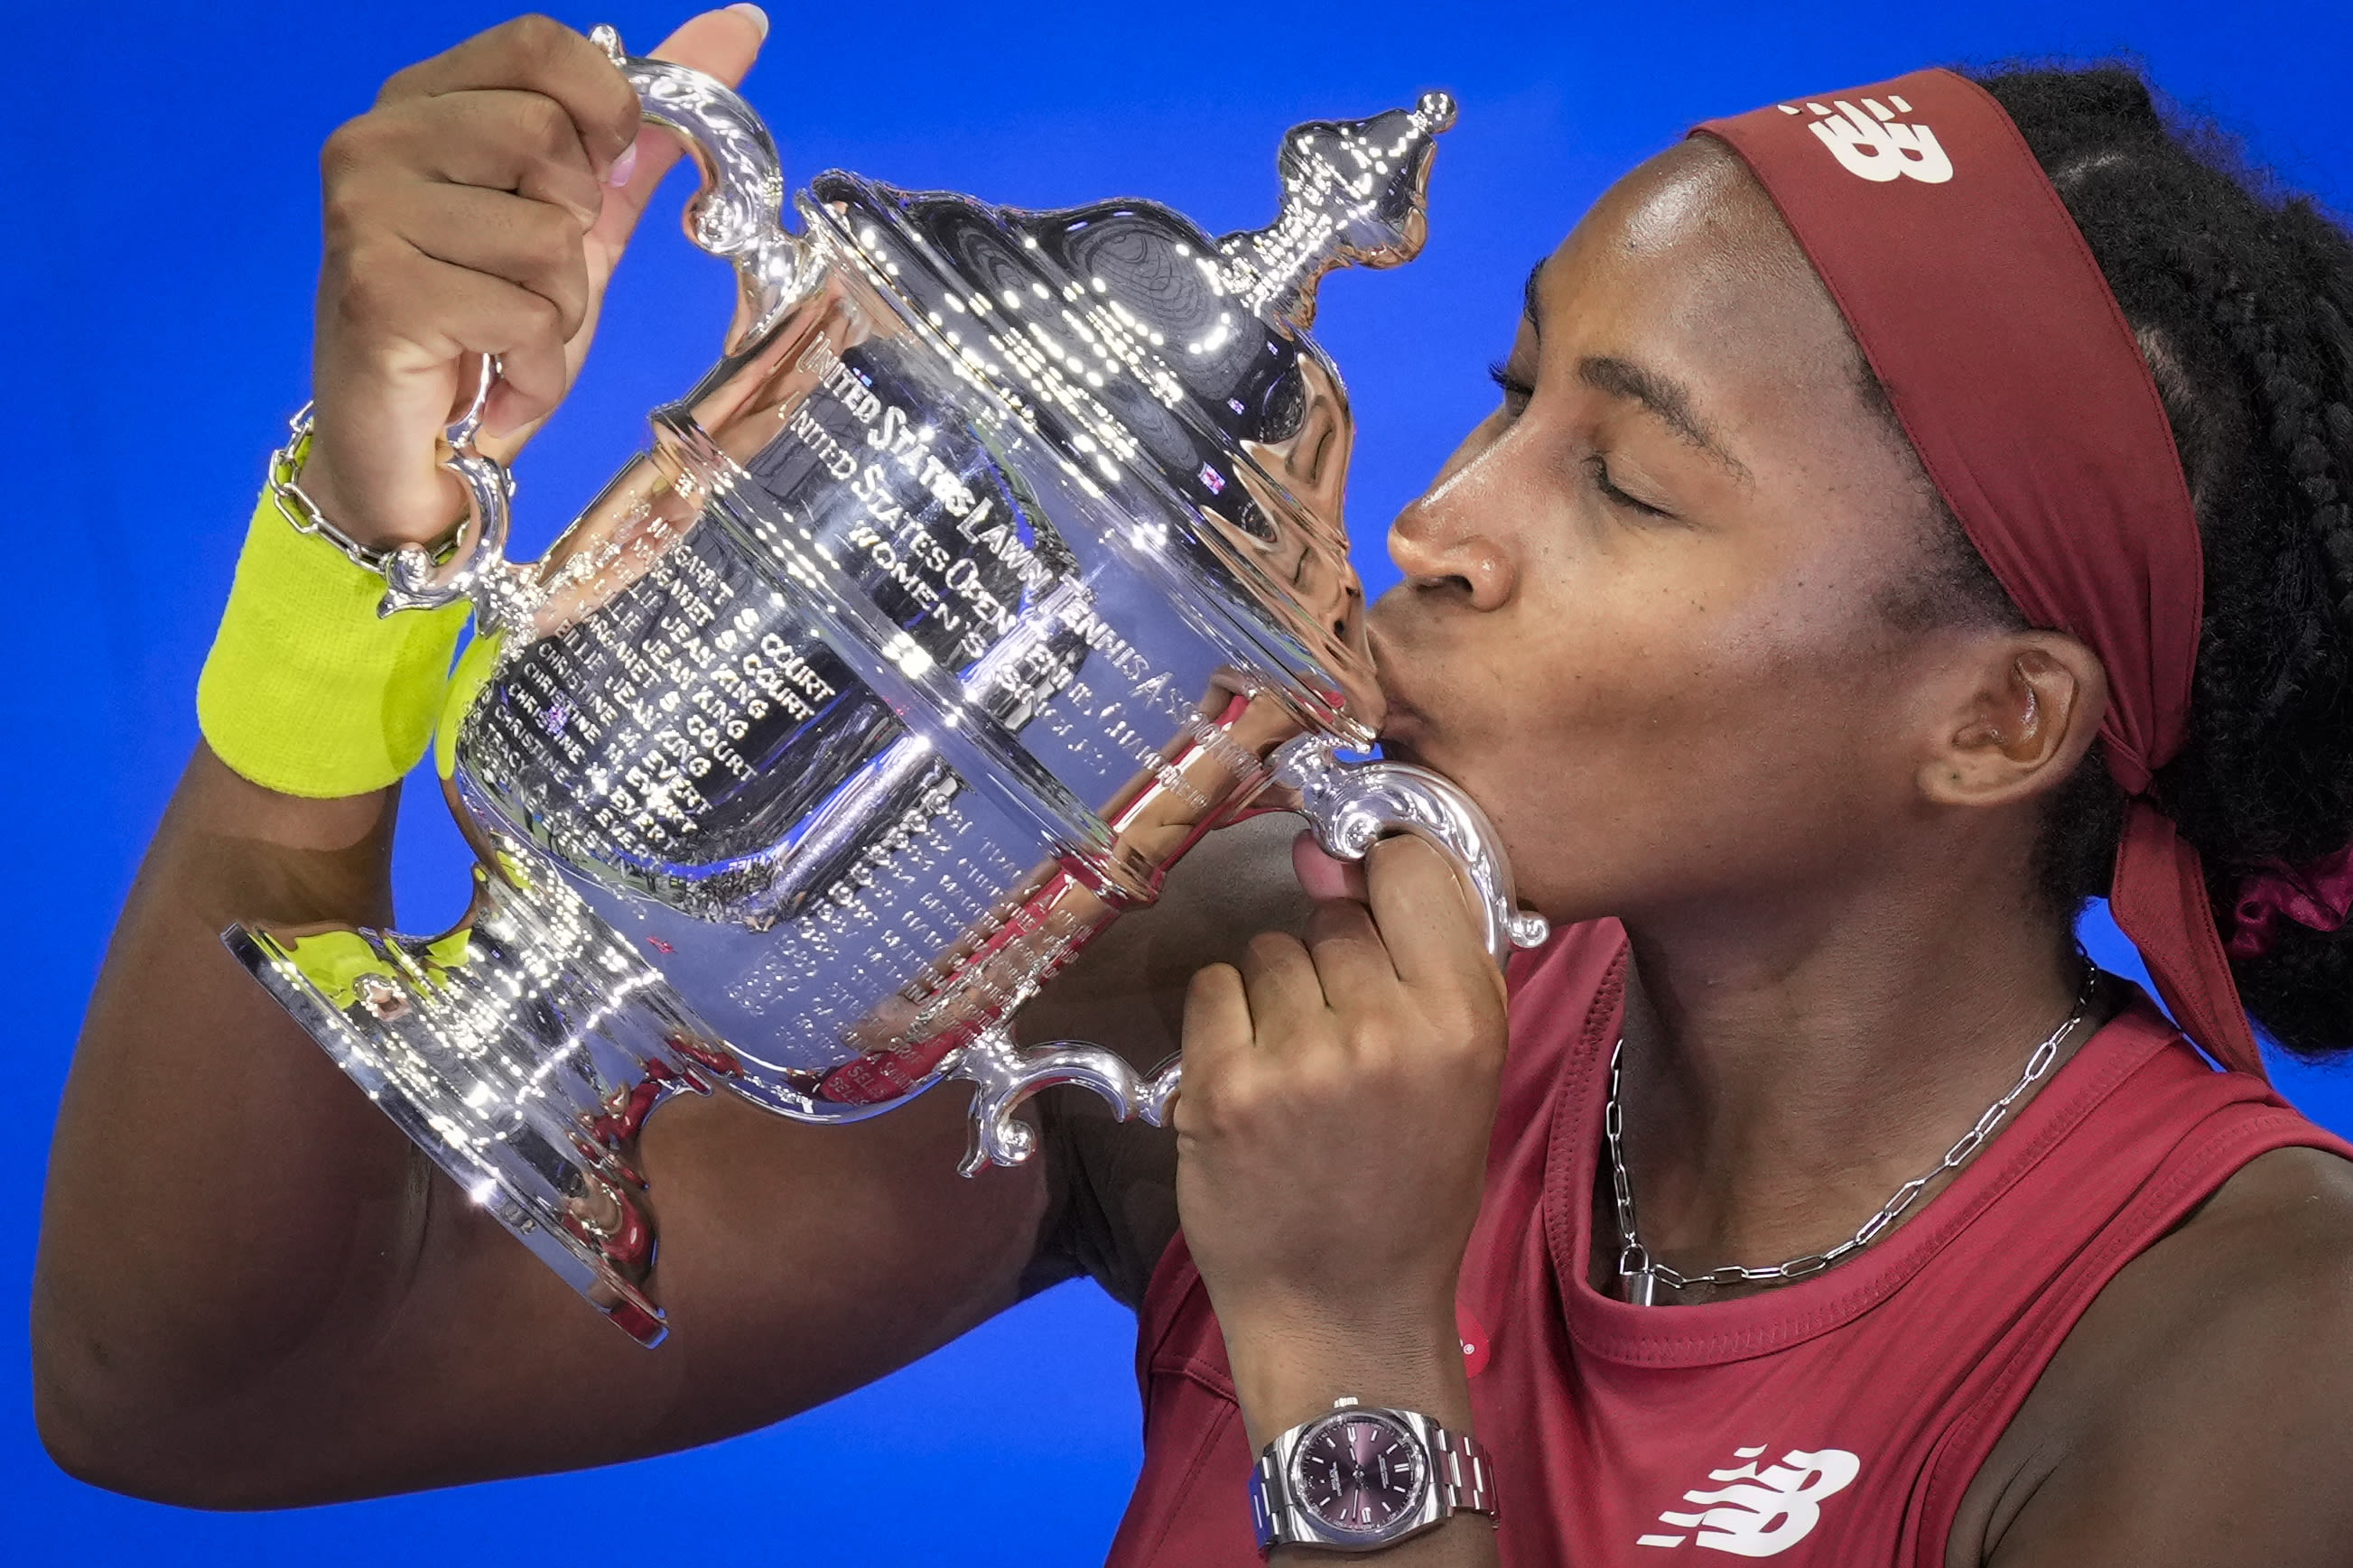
1641, 620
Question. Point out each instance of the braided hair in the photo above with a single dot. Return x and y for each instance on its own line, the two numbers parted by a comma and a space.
2241, 299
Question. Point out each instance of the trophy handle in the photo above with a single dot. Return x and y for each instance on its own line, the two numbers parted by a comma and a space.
1351, 806
739, 213
414, 578
1003, 1076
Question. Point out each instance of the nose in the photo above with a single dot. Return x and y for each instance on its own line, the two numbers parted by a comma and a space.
1445, 543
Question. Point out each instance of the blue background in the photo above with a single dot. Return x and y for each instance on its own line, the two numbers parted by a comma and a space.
154, 287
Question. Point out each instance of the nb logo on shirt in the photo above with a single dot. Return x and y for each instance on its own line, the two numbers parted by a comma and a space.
1760, 1513
1872, 145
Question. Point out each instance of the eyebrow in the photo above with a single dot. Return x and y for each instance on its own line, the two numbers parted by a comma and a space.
1528, 307
1666, 398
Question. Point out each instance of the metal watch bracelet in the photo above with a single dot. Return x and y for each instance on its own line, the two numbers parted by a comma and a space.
1385, 1476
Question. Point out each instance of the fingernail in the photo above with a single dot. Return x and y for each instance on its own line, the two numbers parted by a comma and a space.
758, 17
623, 167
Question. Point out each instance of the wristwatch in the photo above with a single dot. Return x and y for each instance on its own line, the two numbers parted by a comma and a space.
1357, 1479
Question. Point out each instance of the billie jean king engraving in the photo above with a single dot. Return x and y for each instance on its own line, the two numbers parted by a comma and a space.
999, 560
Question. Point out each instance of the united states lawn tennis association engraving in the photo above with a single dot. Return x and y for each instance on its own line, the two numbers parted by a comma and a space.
922, 511
943, 542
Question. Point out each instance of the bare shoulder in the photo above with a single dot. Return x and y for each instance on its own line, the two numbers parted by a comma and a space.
2198, 1412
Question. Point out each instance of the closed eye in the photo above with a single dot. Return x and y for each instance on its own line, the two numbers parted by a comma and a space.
1515, 392
1600, 469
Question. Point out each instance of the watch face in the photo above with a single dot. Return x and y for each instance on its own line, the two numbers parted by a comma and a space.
1358, 1474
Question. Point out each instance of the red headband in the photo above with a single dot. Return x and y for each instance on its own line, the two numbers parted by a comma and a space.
2025, 395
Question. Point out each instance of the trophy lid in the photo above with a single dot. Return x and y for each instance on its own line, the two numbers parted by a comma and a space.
1152, 356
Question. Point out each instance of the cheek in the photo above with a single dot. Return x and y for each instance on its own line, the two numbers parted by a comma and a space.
1689, 652
1664, 736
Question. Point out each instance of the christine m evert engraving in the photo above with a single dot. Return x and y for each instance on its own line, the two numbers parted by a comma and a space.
997, 559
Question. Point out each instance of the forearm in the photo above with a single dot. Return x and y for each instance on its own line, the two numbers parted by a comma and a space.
1332, 1139
253, 1291
217, 1191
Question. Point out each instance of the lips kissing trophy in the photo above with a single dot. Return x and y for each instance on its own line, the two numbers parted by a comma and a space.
997, 559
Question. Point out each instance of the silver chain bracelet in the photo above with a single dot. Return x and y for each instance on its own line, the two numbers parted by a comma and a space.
304, 515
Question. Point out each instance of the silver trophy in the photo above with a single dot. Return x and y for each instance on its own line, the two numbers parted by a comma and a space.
997, 559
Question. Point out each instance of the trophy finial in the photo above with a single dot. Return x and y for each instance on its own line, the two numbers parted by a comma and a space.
1354, 192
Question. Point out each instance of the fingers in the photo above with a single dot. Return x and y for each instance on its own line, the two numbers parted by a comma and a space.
1321, 876
498, 176
1346, 970
722, 43
1331, 1134
535, 54
472, 212
1349, 982
1286, 995
1352, 963
455, 216
513, 142
495, 139
1217, 1011
528, 243
388, 374
1218, 1040
1425, 915
1274, 1000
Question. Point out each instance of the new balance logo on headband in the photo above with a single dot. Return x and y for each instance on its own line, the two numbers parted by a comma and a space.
1875, 145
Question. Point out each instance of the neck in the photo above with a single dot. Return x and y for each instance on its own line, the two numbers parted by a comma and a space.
1788, 1067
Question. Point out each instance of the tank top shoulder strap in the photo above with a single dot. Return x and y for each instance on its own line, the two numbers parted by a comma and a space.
2202, 1127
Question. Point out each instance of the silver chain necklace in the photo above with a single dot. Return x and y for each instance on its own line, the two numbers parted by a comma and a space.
1639, 1275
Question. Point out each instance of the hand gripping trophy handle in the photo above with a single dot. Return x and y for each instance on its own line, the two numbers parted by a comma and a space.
736, 216
1351, 806
473, 567
738, 213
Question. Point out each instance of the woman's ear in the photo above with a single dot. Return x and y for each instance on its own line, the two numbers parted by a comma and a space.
2021, 725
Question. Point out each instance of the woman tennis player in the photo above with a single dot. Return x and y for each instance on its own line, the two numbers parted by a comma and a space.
1911, 509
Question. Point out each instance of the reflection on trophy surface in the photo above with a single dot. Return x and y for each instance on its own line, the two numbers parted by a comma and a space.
999, 560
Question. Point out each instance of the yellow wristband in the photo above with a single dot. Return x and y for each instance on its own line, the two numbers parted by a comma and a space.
307, 690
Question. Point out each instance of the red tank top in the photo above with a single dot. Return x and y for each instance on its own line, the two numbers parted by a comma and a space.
1838, 1420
